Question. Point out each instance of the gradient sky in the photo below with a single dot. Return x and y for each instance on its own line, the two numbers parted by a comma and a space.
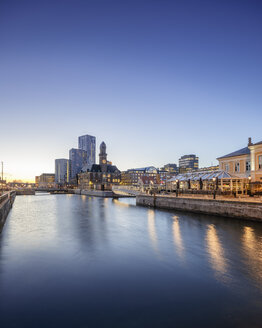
154, 79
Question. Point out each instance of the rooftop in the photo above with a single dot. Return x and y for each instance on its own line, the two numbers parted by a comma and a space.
204, 175
146, 169
243, 151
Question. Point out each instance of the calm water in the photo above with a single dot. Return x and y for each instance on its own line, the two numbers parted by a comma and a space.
77, 261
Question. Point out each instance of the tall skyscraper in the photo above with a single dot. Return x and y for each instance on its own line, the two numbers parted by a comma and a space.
62, 170
88, 143
78, 158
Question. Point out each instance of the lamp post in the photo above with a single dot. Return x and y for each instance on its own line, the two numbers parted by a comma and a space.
214, 185
249, 185
177, 187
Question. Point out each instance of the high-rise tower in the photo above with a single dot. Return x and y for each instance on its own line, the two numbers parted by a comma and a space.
78, 158
88, 143
62, 170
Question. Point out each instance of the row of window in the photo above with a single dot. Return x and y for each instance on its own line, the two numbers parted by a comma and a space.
248, 166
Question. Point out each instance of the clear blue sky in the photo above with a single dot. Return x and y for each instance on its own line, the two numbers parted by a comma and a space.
154, 79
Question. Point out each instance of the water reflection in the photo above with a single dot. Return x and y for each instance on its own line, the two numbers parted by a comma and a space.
252, 247
178, 242
152, 230
119, 203
113, 257
216, 254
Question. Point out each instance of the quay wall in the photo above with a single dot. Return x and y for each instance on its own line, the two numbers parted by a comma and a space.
234, 209
6, 203
96, 193
25, 192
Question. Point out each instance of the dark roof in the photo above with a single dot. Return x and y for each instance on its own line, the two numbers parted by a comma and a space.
97, 168
243, 151
112, 169
258, 143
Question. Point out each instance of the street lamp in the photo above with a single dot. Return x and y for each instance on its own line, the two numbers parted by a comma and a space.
214, 195
177, 187
249, 185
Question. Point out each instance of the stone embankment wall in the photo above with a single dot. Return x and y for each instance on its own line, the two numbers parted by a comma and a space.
25, 192
234, 209
6, 202
96, 193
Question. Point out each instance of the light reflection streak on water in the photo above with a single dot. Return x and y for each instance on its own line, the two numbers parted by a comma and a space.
152, 230
178, 242
119, 203
253, 254
216, 254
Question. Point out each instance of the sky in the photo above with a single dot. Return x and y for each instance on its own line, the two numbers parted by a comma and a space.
154, 79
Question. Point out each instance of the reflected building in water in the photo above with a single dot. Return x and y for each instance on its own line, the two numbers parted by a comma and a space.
216, 253
177, 237
252, 248
152, 230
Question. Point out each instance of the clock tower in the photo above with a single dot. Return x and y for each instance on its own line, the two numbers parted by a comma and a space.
103, 157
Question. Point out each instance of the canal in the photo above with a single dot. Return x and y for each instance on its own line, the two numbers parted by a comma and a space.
78, 261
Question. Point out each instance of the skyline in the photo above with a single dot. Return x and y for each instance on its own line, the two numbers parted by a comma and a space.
154, 80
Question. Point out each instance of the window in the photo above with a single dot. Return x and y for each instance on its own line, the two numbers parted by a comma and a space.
237, 167
260, 162
247, 165
227, 167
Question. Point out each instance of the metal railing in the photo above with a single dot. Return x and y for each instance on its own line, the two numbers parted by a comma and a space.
7, 195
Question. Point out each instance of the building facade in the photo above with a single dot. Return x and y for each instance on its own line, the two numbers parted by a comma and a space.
100, 176
37, 178
172, 168
188, 163
245, 162
47, 180
88, 143
78, 158
132, 176
62, 171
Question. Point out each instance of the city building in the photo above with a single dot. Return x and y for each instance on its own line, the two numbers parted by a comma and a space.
146, 181
78, 158
37, 178
245, 162
88, 143
62, 171
132, 176
47, 180
163, 176
188, 163
209, 168
100, 176
172, 168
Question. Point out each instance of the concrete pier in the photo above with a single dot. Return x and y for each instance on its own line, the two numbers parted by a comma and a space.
234, 209
6, 203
